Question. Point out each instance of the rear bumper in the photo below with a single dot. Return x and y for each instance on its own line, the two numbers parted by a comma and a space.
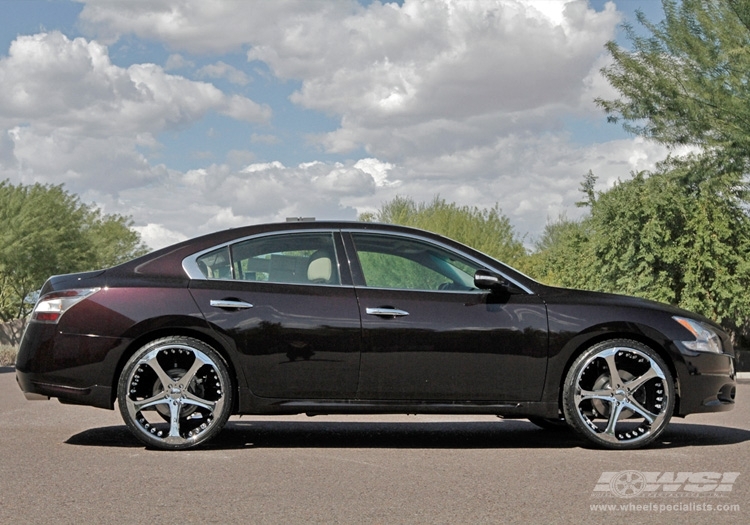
76, 369
36, 388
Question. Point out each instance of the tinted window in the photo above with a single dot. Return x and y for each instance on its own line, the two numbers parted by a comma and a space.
305, 258
410, 264
216, 265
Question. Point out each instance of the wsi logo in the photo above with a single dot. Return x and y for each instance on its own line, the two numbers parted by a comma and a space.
632, 483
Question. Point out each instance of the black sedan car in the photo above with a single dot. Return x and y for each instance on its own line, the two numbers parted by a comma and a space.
362, 318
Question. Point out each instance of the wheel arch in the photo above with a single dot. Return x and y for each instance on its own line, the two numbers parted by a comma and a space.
206, 336
645, 335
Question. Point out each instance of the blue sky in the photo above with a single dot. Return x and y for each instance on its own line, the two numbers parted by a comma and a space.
193, 116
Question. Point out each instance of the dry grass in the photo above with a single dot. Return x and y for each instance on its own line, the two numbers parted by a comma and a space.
8, 355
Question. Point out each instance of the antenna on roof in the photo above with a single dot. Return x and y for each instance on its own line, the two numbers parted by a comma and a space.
300, 219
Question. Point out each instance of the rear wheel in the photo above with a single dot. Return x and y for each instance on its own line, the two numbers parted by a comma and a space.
619, 394
175, 393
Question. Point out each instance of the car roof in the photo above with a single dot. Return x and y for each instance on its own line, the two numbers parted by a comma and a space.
167, 261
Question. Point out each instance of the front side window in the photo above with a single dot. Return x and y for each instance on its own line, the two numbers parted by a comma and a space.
410, 264
300, 258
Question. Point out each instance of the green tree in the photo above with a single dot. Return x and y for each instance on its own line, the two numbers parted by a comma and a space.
112, 239
44, 230
485, 229
688, 80
562, 255
675, 236
680, 234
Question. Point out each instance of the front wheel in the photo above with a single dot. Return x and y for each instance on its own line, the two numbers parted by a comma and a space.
175, 393
619, 394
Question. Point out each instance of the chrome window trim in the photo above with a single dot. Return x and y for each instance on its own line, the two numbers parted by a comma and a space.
443, 246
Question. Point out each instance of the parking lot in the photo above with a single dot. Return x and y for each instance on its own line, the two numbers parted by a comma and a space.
69, 464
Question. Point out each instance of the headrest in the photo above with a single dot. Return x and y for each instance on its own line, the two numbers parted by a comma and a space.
319, 270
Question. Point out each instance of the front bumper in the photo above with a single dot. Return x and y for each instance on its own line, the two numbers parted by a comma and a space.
707, 383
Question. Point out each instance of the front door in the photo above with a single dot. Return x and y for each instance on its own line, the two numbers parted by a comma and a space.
429, 334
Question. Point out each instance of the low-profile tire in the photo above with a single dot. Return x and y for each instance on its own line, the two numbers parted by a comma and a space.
619, 394
175, 393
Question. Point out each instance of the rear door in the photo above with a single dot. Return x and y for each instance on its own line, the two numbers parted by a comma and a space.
291, 309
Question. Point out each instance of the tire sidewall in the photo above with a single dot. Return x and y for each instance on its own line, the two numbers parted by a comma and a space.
570, 410
219, 419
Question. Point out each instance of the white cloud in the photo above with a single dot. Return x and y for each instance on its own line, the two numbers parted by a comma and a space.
157, 235
531, 178
378, 171
200, 27
108, 163
466, 99
60, 83
217, 197
539, 186
70, 115
242, 108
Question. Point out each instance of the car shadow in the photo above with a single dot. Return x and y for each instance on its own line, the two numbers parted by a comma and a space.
509, 434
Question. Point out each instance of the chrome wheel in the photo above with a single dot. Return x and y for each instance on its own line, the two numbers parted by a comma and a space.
619, 394
175, 393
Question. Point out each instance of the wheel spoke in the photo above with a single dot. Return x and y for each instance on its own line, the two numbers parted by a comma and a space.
159, 399
613, 417
615, 381
174, 418
636, 407
604, 395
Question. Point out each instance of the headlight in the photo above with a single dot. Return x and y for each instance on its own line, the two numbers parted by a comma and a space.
706, 340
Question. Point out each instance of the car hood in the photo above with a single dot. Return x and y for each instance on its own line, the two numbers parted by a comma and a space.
553, 296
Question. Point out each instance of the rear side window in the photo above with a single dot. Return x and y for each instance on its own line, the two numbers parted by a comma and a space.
301, 258
216, 265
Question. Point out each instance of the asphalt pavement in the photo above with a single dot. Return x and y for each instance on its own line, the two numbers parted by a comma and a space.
69, 464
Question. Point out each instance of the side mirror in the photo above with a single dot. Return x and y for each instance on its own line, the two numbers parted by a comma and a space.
487, 280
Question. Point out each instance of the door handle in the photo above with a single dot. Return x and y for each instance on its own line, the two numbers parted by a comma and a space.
386, 311
230, 303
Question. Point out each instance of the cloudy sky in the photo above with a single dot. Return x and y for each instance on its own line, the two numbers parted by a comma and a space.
192, 116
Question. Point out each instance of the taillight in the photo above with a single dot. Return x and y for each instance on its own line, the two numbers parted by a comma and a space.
53, 305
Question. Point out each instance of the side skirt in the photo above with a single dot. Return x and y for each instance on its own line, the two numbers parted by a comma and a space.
253, 405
